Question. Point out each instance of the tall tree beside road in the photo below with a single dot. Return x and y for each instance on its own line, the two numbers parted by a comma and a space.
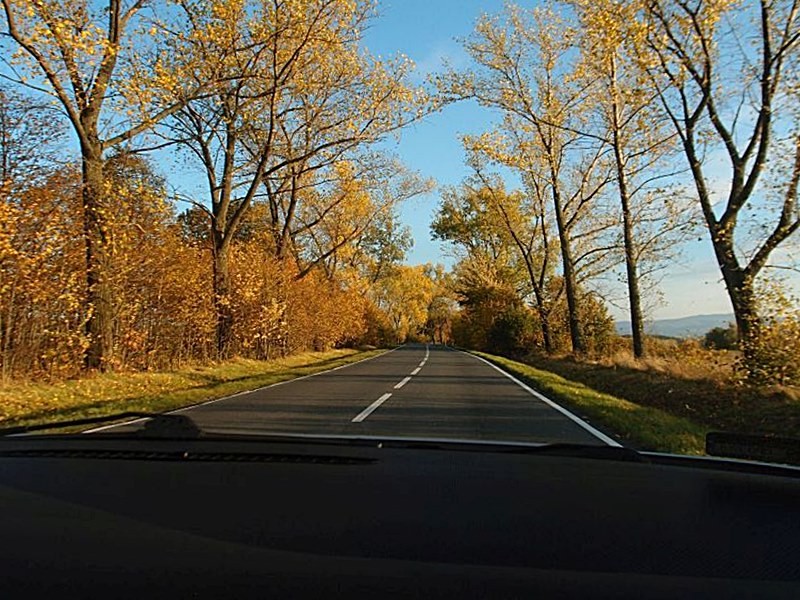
628, 123
521, 221
76, 52
726, 75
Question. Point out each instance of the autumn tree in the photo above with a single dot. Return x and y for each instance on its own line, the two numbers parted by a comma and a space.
333, 217
521, 223
405, 296
523, 69
484, 292
726, 75
89, 57
301, 96
383, 246
443, 307
628, 122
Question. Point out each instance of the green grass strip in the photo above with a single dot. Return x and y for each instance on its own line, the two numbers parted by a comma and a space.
640, 427
109, 393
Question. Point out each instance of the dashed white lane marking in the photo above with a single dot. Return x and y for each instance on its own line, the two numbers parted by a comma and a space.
371, 408
375, 405
402, 383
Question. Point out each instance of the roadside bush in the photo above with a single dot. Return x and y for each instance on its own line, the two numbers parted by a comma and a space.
721, 338
511, 332
776, 351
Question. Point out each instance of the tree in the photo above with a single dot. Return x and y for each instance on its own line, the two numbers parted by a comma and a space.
511, 332
72, 52
721, 338
443, 305
523, 225
382, 247
332, 218
484, 291
405, 296
629, 125
726, 77
300, 97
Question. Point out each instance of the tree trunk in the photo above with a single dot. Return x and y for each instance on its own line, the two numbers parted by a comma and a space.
547, 336
544, 325
634, 296
745, 311
541, 310
222, 305
570, 285
98, 289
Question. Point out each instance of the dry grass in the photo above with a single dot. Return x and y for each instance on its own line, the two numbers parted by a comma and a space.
668, 400
685, 359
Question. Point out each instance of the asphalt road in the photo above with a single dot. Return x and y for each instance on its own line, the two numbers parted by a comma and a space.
412, 391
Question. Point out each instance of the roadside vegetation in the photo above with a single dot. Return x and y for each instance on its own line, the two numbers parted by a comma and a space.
686, 380
108, 393
290, 241
598, 168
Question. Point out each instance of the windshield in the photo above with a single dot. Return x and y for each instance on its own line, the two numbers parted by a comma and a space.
533, 222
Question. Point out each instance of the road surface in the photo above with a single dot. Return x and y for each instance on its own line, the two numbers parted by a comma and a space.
413, 391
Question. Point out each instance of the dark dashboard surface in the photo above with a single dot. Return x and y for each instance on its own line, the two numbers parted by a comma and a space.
132, 518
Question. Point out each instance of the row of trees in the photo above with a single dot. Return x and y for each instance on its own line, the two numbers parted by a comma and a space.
275, 102
278, 107
626, 124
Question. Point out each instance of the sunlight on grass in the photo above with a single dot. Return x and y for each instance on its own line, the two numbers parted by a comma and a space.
642, 427
22, 404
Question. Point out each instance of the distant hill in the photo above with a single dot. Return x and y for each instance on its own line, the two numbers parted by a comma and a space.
694, 326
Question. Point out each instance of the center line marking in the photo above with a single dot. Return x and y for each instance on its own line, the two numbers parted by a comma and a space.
371, 408
415, 371
402, 383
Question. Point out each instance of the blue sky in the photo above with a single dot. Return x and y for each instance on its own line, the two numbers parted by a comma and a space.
426, 32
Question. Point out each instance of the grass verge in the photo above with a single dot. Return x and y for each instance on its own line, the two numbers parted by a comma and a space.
641, 427
109, 393
715, 403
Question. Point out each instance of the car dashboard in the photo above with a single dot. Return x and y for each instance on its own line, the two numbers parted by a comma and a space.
118, 516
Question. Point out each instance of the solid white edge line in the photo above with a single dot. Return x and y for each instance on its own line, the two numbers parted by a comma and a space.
539, 396
427, 352
397, 386
212, 401
415, 371
371, 408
